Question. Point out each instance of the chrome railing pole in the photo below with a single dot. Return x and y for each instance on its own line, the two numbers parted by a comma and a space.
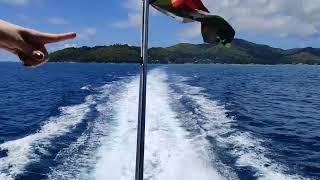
142, 94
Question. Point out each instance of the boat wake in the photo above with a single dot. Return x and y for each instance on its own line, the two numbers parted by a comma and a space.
21, 152
169, 154
185, 133
210, 119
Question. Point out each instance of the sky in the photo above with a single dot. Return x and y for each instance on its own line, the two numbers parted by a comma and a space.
279, 23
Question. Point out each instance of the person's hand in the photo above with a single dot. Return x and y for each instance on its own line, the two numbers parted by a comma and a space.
28, 44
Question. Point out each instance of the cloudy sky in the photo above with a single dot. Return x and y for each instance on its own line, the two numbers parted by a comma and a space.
279, 23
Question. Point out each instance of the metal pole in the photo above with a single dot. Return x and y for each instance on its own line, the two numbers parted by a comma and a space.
142, 29
142, 94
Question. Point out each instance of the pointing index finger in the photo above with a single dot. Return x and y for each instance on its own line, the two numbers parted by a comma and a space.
53, 38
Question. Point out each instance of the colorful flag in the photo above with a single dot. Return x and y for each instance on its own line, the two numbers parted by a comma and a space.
214, 28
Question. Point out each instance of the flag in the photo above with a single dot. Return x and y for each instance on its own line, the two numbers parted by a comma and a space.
214, 29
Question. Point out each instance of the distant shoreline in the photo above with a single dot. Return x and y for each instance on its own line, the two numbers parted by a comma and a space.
124, 63
241, 52
70, 62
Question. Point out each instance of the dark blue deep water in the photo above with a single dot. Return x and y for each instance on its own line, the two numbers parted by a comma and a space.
204, 122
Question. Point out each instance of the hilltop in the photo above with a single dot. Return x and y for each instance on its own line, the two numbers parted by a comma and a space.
240, 52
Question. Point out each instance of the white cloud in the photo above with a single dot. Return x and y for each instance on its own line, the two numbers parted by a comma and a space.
24, 17
271, 17
7, 56
282, 18
193, 31
15, 2
57, 21
90, 31
87, 33
134, 20
69, 45
134, 15
133, 5
57, 47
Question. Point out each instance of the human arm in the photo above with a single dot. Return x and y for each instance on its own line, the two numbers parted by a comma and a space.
28, 44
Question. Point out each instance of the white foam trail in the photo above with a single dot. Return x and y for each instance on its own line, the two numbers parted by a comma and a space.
169, 154
117, 155
88, 87
77, 160
248, 150
22, 151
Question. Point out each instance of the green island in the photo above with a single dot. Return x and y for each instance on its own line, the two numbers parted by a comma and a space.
240, 52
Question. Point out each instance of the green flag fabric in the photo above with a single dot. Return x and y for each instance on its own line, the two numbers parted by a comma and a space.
214, 29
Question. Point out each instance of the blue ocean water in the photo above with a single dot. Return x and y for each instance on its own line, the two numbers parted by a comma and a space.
204, 122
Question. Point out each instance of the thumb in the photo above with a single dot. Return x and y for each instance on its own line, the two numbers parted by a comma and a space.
33, 55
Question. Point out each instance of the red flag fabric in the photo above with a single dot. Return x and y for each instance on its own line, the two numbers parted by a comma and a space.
189, 4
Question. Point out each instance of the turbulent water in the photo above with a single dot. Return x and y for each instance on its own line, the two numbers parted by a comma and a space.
204, 122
